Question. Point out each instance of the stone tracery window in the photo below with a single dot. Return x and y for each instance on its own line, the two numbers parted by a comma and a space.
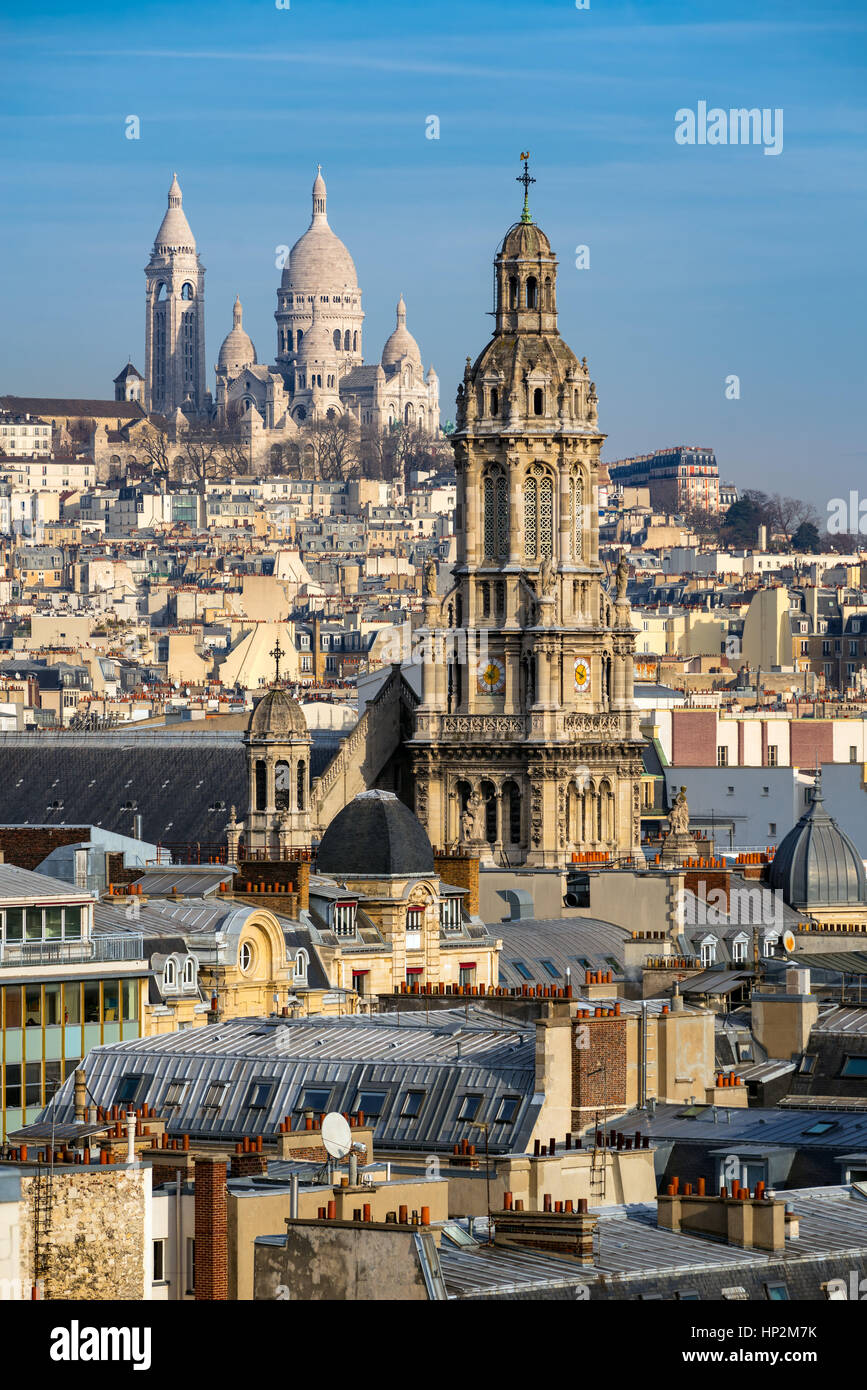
495, 496
538, 514
576, 503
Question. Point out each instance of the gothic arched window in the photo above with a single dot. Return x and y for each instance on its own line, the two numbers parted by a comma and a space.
336, 339
187, 291
162, 292
300, 336
576, 503
355, 342
532, 292
489, 795
538, 514
346, 341
512, 812
496, 515
261, 785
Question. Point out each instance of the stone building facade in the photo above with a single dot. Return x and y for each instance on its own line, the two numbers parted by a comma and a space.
534, 752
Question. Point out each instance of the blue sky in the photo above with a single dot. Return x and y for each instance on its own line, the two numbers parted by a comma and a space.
705, 261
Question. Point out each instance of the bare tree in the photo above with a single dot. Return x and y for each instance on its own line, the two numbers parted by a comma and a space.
787, 514
209, 454
155, 446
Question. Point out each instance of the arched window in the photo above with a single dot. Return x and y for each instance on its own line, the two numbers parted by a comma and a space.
187, 291
407, 414
407, 377
496, 515
538, 401
532, 292
162, 292
495, 401
548, 293
489, 796
538, 514
189, 971
512, 812
261, 785
283, 786
302, 962
576, 503
302, 784
289, 336
245, 957
490, 533
346, 341
486, 599
170, 975
355, 342
513, 292
300, 336
336, 338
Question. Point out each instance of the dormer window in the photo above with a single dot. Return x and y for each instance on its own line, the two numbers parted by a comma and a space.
708, 951
739, 948
170, 975
343, 916
302, 961
189, 972
450, 914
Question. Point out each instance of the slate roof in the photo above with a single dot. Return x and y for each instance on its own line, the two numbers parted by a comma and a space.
45, 405
376, 834
168, 777
564, 942
461, 1052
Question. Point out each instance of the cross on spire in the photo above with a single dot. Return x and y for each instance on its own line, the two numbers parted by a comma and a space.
526, 179
277, 651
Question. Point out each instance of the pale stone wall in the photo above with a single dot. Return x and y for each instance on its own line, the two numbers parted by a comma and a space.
98, 1243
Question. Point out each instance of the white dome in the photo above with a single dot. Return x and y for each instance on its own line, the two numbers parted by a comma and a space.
175, 233
401, 343
317, 343
319, 260
237, 351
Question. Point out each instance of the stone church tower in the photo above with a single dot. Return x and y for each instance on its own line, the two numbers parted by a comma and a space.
277, 744
535, 752
175, 316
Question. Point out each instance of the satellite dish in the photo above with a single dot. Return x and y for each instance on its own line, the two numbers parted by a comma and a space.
336, 1135
789, 940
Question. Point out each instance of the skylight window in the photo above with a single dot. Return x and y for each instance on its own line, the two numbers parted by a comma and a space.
469, 1107
551, 969
522, 969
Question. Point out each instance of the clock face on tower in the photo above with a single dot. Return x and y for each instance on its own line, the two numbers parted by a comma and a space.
492, 679
582, 675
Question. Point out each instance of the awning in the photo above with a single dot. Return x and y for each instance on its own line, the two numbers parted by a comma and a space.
467, 965
415, 970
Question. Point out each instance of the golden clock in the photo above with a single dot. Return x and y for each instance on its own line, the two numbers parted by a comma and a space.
492, 678
582, 675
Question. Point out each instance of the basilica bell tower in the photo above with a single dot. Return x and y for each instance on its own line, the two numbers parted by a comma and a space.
532, 752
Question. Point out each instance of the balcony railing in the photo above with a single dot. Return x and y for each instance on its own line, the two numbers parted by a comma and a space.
124, 946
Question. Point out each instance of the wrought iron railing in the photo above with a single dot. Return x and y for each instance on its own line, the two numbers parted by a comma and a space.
123, 946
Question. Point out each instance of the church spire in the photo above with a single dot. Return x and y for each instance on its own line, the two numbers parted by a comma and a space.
319, 197
175, 195
526, 180
237, 313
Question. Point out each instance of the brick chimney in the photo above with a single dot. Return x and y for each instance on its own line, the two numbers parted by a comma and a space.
212, 1255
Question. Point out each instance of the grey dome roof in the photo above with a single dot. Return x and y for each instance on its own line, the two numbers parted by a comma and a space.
816, 864
374, 835
277, 715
